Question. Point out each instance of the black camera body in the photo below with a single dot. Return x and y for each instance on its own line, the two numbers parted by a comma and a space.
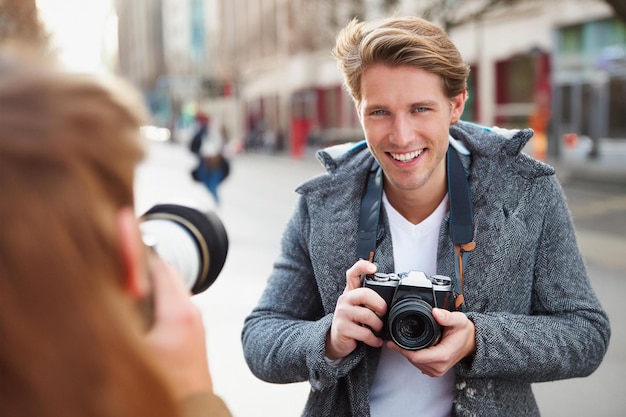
410, 298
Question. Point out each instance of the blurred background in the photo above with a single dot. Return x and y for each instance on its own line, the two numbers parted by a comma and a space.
262, 68
261, 71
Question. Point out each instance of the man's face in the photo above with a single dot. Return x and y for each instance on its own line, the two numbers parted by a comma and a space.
406, 116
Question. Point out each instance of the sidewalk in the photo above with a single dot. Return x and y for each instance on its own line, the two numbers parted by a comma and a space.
608, 169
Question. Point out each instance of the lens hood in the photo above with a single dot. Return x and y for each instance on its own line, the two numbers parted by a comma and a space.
208, 233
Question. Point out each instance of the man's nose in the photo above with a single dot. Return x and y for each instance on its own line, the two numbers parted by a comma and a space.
402, 129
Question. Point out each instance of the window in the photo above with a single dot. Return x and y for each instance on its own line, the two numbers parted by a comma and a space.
617, 107
570, 39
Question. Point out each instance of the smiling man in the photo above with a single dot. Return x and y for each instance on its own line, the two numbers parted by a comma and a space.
406, 116
434, 270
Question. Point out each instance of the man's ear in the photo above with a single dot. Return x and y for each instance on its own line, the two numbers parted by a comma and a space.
132, 253
458, 105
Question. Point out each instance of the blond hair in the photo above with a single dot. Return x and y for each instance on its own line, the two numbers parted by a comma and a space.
399, 41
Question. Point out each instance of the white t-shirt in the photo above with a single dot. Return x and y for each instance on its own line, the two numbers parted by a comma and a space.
399, 388
213, 143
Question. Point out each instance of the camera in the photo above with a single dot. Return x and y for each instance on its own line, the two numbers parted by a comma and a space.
195, 243
410, 298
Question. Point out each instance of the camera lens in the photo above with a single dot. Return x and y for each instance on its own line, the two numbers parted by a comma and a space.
411, 324
193, 242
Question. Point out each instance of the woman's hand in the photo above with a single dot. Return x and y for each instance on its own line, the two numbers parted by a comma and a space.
177, 337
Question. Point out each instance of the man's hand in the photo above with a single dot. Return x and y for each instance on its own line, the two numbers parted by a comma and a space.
357, 313
458, 342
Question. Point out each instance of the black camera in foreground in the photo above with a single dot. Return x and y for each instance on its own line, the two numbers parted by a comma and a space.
410, 298
193, 242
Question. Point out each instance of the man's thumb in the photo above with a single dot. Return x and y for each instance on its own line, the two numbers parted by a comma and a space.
442, 316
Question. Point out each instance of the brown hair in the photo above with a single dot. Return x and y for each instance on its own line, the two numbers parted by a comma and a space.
399, 41
71, 340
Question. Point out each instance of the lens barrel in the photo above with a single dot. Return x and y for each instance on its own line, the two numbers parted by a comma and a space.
193, 242
412, 325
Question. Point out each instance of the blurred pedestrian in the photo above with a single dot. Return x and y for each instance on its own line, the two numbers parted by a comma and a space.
425, 194
201, 132
208, 144
92, 323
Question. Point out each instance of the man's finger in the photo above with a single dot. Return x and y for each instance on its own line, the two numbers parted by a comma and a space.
354, 274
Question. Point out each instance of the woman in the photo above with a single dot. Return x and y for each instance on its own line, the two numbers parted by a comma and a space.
78, 288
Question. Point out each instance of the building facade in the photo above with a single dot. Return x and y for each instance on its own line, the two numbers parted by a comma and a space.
557, 67
264, 69
140, 47
278, 52
278, 55
168, 49
589, 79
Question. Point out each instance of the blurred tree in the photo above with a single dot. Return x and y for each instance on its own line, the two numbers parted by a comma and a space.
452, 13
19, 21
619, 7
390, 4
314, 24
457, 12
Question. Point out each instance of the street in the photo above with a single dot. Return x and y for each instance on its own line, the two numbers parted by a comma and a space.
256, 201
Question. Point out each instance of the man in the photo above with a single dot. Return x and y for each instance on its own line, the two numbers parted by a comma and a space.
93, 323
529, 312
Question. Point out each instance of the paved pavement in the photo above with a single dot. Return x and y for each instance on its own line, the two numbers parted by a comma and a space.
608, 168
257, 200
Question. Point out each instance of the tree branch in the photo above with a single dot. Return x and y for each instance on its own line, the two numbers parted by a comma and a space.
619, 7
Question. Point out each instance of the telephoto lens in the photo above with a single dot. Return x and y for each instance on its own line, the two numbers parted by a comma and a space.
193, 242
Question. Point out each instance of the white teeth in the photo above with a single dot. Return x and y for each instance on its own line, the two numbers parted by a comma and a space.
405, 157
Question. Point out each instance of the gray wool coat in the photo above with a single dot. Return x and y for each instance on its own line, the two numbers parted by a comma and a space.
536, 315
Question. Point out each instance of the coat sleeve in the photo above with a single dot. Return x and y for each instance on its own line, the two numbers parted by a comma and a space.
566, 332
284, 336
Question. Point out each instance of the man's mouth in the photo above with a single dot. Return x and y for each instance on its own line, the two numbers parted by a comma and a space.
406, 157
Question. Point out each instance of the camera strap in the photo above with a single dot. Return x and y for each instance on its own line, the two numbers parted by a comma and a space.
461, 220
461, 217
369, 214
